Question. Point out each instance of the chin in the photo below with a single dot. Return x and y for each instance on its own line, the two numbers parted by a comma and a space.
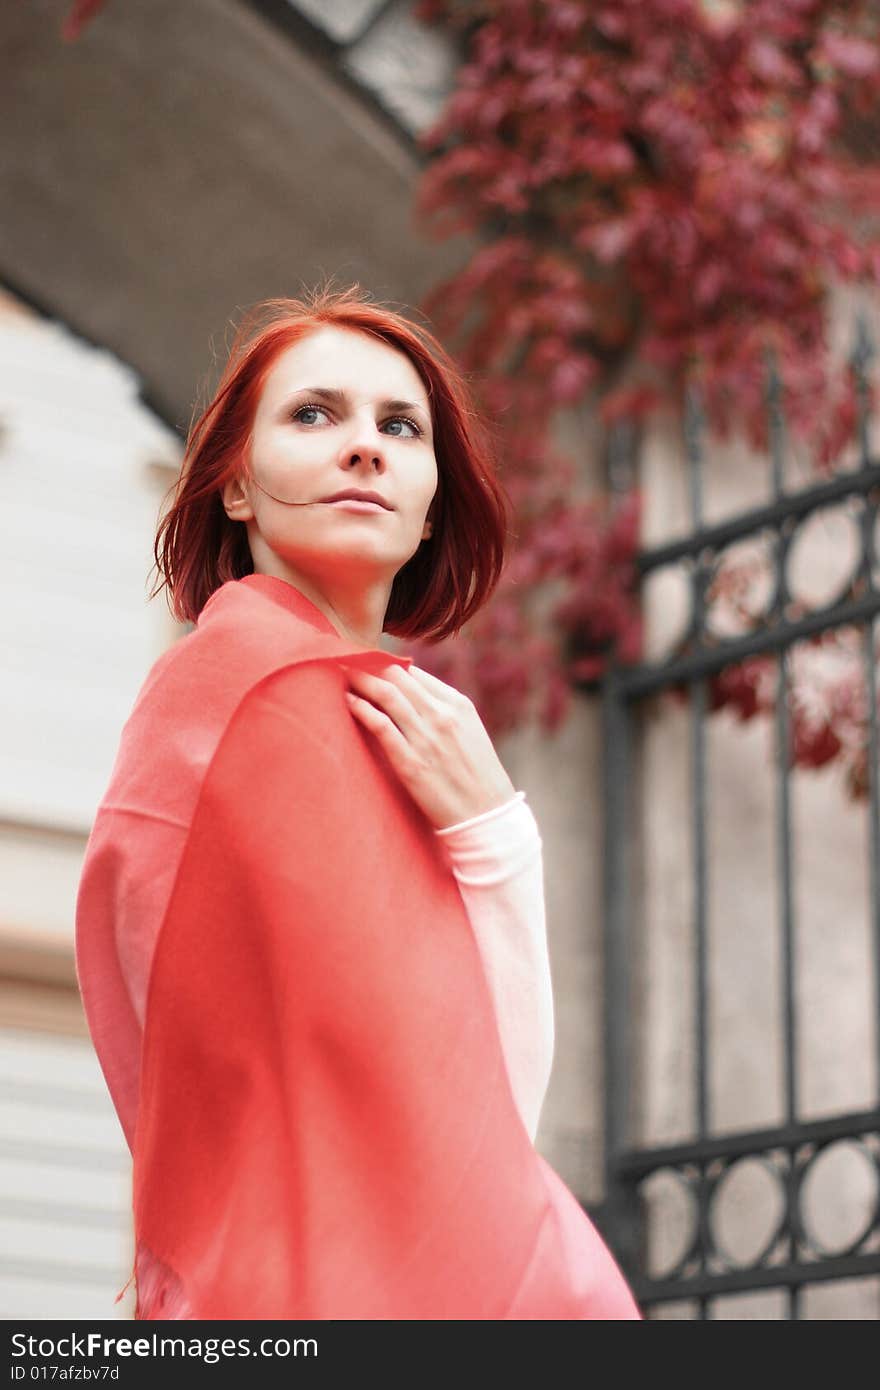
331, 563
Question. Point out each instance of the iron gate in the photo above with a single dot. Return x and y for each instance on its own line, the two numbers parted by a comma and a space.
793, 1258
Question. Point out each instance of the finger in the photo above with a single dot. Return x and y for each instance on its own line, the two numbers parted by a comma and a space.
402, 705
392, 741
434, 684
398, 678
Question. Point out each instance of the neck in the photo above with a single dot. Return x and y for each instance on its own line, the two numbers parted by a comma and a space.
356, 613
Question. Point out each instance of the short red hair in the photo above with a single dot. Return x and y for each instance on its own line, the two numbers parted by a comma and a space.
452, 574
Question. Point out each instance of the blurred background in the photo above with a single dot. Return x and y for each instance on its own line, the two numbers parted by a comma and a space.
651, 236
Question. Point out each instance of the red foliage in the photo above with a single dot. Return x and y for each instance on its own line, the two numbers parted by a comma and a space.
662, 182
78, 16
664, 191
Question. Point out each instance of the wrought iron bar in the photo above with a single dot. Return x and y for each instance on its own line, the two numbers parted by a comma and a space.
786, 918
650, 1292
766, 517
634, 681
776, 426
620, 1205
636, 1164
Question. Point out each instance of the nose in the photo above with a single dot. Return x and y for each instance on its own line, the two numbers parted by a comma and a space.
364, 445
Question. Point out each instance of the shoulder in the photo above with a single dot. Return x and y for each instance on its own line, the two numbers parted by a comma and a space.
240, 637
289, 763
294, 705
256, 668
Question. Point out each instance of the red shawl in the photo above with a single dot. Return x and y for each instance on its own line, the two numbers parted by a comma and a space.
320, 1115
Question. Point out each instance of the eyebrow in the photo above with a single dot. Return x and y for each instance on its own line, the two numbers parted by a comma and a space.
337, 397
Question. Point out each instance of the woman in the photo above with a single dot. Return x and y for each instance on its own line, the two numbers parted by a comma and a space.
310, 923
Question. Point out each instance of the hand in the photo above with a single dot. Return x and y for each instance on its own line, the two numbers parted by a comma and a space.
434, 740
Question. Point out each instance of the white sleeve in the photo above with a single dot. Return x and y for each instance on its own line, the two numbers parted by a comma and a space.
497, 861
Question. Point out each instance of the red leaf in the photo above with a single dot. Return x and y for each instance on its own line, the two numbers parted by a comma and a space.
853, 56
609, 240
78, 16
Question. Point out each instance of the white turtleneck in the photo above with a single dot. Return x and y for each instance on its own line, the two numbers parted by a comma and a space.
497, 861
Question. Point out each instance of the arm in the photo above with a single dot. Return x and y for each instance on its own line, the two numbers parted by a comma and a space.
497, 862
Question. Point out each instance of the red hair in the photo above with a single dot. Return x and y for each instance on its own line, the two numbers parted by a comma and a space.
451, 575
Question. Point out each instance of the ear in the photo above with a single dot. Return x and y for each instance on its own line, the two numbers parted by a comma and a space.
235, 501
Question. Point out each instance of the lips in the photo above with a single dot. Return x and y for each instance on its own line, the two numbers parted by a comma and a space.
352, 495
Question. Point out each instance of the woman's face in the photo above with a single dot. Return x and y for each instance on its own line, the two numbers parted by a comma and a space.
331, 417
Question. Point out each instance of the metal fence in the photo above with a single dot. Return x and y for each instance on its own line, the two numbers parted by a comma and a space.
793, 1257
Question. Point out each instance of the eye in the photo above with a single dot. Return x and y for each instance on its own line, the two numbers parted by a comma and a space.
405, 420
313, 408
396, 419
